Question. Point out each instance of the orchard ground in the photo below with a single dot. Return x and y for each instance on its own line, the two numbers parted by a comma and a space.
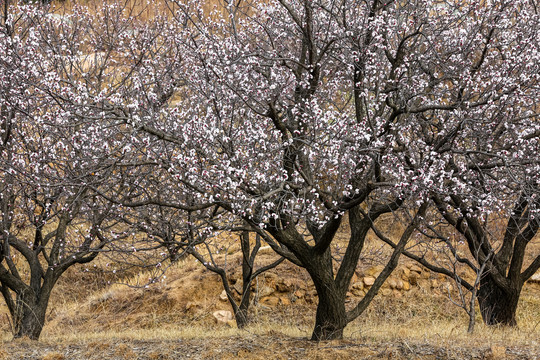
90, 318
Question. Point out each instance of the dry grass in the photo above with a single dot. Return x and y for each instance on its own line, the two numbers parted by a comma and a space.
119, 322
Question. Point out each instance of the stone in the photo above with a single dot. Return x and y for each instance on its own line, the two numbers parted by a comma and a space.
434, 283
270, 301
223, 296
392, 283
386, 292
284, 285
265, 291
299, 294
413, 279
354, 279
415, 268
223, 316
406, 286
399, 284
270, 276
396, 293
369, 280
238, 287
285, 301
358, 292
358, 285
374, 270
405, 272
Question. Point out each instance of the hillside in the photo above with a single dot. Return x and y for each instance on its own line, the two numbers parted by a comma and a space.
412, 317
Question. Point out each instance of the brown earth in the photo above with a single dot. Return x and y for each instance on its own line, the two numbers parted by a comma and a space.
411, 318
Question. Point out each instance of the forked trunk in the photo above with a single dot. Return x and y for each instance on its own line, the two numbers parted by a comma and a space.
497, 305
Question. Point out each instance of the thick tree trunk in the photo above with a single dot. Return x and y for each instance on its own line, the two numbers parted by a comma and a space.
29, 316
497, 306
331, 317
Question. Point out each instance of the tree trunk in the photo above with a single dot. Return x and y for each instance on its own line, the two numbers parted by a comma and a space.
497, 306
241, 314
331, 317
29, 316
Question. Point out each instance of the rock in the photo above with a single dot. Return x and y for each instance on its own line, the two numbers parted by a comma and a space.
406, 286
270, 276
223, 296
535, 278
434, 284
269, 301
299, 294
266, 250
399, 284
285, 301
265, 291
405, 273
358, 286
358, 292
369, 280
415, 268
284, 285
374, 270
397, 293
392, 283
386, 292
223, 316
413, 279
238, 287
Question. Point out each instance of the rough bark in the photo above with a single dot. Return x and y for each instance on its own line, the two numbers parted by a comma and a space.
497, 305
29, 314
331, 317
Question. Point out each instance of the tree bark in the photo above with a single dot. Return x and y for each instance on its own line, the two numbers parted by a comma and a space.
331, 317
29, 316
497, 305
241, 314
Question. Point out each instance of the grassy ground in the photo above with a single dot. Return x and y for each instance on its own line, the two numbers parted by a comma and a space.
257, 343
89, 319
